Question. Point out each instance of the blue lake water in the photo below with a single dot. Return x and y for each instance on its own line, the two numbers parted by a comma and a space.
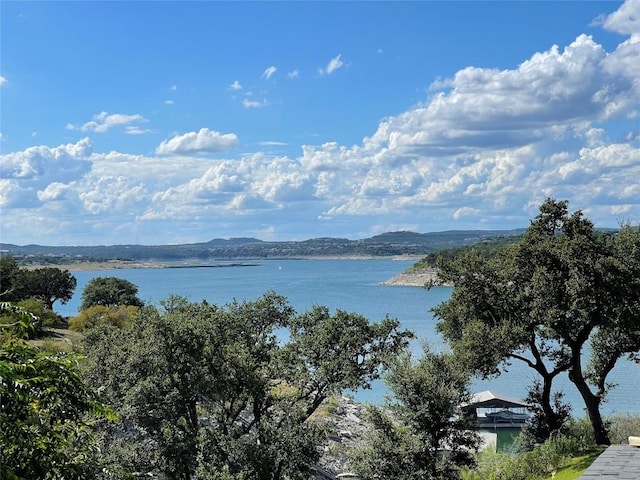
352, 285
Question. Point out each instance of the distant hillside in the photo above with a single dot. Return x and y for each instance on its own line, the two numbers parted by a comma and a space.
450, 238
386, 244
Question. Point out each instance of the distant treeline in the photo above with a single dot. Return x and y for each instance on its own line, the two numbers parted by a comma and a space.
486, 248
383, 245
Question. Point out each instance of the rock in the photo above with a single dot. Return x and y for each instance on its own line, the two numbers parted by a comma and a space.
346, 423
415, 278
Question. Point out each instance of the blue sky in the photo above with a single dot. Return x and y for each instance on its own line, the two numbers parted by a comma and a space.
165, 122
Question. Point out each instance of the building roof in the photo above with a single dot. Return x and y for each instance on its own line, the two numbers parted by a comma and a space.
489, 399
616, 462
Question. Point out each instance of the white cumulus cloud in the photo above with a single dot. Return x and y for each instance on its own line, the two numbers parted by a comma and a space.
482, 150
3, 81
625, 20
204, 140
42, 162
104, 121
235, 85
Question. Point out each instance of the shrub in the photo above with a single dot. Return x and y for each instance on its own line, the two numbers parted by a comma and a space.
36, 308
574, 439
622, 426
121, 317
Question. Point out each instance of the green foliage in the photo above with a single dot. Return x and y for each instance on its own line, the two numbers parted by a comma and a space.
45, 419
486, 249
541, 300
538, 428
622, 426
110, 292
40, 317
48, 284
425, 436
9, 272
536, 462
120, 316
16, 321
211, 390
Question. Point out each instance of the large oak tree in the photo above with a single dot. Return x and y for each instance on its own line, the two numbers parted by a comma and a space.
110, 292
228, 391
562, 286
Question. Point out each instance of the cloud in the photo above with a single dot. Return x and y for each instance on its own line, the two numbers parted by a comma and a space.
334, 64
27, 172
3, 81
135, 130
482, 150
203, 141
235, 85
625, 20
248, 103
269, 72
104, 121
293, 74
63, 162
173, 87
483, 108
169, 102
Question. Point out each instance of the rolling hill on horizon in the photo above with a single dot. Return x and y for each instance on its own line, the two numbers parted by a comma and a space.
385, 244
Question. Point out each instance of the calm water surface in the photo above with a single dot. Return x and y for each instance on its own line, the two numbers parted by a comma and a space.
352, 285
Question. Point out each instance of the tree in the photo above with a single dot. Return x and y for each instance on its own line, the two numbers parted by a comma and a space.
9, 271
48, 284
425, 435
211, 389
110, 292
46, 411
564, 284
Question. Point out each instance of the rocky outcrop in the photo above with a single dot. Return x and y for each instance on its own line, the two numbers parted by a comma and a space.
414, 278
345, 419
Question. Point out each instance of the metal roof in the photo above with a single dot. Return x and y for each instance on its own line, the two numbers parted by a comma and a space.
489, 399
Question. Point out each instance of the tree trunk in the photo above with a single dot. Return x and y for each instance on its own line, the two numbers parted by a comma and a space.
554, 421
591, 401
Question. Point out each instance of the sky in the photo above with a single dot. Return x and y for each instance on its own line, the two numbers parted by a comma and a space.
176, 122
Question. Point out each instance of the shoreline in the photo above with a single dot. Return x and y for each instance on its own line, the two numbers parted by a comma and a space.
417, 278
190, 263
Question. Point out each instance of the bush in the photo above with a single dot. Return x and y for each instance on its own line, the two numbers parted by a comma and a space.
622, 426
121, 317
574, 439
36, 308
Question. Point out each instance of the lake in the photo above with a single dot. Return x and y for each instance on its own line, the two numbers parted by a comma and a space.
352, 285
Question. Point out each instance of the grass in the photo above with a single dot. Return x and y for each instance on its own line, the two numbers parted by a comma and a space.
576, 466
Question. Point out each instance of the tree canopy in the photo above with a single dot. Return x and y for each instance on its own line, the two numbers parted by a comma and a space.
46, 410
562, 285
229, 390
49, 284
110, 292
422, 434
